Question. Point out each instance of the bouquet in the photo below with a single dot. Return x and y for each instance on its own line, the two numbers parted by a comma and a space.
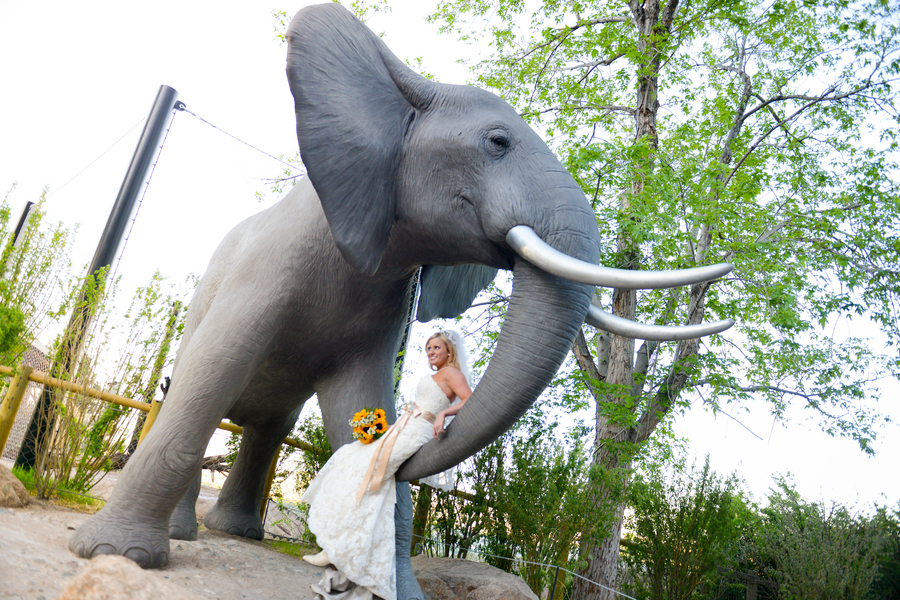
369, 424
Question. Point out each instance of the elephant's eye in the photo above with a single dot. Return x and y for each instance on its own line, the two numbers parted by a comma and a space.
498, 142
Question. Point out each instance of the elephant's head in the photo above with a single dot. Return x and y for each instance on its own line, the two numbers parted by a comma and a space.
452, 178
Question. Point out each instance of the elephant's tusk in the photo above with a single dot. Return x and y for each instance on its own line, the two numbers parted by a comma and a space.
532, 248
658, 333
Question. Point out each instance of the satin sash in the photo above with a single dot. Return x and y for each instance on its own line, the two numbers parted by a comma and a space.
379, 462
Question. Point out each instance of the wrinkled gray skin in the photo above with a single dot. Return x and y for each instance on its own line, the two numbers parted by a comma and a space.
309, 296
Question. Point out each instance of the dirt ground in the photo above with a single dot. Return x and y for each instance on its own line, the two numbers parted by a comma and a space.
35, 562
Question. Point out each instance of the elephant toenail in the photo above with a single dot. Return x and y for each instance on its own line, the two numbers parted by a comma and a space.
140, 556
104, 549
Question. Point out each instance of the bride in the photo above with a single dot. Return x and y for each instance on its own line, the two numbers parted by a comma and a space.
351, 500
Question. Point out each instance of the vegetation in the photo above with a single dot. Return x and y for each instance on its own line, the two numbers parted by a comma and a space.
82, 434
761, 133
34, 278
813, 550
63, 497
290, 548
79, 435
687, 524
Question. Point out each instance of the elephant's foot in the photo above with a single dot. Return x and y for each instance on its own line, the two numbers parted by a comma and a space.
145, 544
247, 525
183, 525
408, 588
183, 522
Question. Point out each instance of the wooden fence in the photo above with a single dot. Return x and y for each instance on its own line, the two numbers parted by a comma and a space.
21, 376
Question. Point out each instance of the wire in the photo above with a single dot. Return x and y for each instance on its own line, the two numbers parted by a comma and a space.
420, 545
98, 158
181, 106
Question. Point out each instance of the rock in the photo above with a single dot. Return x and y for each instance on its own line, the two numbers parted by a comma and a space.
117, 578
455, 579
12, 493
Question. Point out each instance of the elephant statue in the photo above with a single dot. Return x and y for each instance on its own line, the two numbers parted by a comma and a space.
311, 295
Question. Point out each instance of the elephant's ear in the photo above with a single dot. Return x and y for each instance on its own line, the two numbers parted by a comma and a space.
354, 101
447, 292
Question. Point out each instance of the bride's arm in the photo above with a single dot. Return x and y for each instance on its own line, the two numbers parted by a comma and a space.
459, 386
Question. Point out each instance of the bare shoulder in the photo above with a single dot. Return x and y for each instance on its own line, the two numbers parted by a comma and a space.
452, 375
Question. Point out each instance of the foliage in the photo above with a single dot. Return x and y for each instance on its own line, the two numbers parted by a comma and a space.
760, 133
83, 433
455, 522
545, 506
289, 548
686, 524
63, 496
817, 551
887, 581
310, 430
34, 278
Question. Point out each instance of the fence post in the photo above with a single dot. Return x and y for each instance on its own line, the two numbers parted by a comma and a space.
155, 407
553, 589
11, 403
752, 585
269, 479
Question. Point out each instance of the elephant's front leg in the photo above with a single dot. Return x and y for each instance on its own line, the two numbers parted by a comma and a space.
135, 521
407, 585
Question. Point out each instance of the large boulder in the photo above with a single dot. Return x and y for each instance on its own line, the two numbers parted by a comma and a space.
455, 579
117, 578
12, 493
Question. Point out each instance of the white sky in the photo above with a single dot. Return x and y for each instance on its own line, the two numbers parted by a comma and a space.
78, 76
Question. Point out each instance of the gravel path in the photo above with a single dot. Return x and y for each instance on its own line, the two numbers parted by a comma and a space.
35, 562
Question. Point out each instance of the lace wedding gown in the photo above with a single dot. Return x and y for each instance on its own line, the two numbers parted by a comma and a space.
359, 538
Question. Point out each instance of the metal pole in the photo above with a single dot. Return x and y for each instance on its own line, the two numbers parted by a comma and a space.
22, 222
404, 341
553, 589
135, 177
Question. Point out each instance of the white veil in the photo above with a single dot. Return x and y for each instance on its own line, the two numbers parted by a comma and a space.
446, 480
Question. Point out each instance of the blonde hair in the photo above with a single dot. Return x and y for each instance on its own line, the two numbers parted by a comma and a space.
452, 356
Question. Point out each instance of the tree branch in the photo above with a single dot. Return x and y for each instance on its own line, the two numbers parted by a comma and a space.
564, 32
603, 62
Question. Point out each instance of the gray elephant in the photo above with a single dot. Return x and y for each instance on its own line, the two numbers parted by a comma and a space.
310, 296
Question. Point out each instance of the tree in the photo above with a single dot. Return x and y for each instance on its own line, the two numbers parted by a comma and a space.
686, 524
887, 581
816, 551
542, 505
34, 278
761, 133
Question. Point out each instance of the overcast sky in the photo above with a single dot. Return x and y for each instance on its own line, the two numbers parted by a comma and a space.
77, 77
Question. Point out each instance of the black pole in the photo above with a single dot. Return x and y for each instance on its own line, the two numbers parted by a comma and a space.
553, 589
135, 178
404, 341
22, 221
110, 241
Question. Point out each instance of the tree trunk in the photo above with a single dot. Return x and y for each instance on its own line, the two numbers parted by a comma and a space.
614, 439
420, 517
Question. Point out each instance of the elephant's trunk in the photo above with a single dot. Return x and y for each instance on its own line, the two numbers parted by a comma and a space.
543, 317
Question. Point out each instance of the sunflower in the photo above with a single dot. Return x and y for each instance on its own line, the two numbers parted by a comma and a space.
369, 424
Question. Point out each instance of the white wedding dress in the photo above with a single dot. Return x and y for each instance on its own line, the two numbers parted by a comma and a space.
359, 538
